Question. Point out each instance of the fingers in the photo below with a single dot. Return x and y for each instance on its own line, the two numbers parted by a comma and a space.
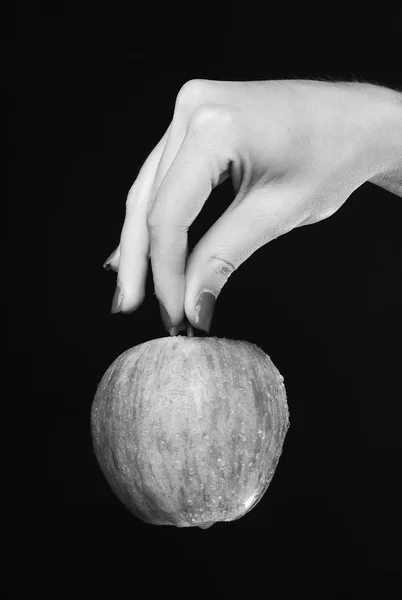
130, 259
160, 159
197, 168
134, 243
257, 219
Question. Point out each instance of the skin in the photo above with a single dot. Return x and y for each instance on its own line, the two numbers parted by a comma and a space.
295, 151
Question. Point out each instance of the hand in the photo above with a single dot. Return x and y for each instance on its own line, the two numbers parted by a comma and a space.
295, 151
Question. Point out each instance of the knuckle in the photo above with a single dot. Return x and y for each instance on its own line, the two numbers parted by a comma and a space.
191, 93
223, 269
212, 119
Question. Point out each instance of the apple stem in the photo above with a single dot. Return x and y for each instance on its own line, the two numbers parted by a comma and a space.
190, 330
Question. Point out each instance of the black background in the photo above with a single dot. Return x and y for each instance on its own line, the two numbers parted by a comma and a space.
92, 89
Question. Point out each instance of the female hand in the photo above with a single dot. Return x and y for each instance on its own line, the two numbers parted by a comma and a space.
295, 151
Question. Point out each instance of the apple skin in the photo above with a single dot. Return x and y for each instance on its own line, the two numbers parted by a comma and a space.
188, 431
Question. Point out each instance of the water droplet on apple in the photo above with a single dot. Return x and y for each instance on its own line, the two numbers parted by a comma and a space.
206, 525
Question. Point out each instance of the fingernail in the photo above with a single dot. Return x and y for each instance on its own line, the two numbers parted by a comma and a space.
108, 262
204, 309
167, 323
117, 299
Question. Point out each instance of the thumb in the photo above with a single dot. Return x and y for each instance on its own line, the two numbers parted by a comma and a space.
244, 227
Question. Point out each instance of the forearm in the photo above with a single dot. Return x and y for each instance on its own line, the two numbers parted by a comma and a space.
389, 141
